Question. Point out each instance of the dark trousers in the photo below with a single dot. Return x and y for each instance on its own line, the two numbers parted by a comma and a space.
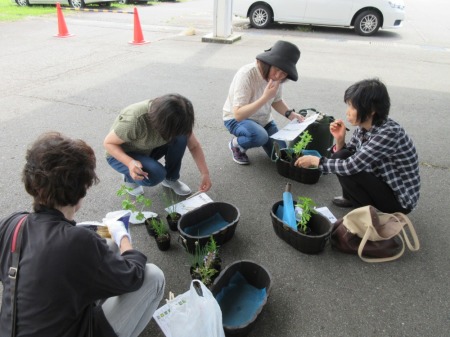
364, 189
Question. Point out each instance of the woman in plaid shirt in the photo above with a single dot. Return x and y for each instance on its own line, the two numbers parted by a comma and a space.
379, 165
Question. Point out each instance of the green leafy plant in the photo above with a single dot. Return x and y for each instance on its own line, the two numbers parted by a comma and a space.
170, 199
159, 227
203, 261
211, 246
298, 147
302, 143
307, 206
197, 258
206, 274
137, 205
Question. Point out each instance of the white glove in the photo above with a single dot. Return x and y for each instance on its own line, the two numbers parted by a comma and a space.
117, 230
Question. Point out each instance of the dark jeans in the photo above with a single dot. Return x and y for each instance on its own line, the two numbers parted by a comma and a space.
172, 152
364, 189
250, 134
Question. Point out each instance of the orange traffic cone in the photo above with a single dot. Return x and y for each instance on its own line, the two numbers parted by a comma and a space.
138, 37
62, 28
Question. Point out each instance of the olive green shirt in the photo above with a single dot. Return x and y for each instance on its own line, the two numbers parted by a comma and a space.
134, 128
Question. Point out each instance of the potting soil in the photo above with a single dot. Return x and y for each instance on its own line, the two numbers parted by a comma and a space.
207, 226
239, 301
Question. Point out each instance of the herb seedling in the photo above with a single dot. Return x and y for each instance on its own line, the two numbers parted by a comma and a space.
136, 206
159, 227
170, 199
302, 143
307, 206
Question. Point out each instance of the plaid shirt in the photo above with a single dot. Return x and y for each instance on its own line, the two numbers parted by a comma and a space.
388, 153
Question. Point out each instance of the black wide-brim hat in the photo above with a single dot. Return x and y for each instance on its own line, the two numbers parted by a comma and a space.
283, 55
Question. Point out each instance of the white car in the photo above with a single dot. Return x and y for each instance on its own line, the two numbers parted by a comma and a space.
71, 3
366, 16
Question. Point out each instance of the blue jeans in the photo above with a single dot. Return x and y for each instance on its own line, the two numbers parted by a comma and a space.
173, 153
250, 134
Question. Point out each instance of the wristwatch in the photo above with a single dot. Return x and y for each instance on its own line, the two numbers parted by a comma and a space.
288, 113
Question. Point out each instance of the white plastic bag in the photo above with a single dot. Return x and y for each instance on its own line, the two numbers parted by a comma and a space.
200, 316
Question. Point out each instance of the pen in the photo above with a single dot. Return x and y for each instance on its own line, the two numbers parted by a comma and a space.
193, 195
339, 124
142, 175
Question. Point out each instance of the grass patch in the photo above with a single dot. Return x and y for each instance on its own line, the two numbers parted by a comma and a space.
10, 11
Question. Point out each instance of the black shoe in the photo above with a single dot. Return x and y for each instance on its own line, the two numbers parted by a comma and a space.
342, 202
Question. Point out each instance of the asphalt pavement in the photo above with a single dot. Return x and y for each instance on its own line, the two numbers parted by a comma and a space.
77, 86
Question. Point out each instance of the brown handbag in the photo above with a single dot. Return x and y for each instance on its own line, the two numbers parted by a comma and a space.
373, 235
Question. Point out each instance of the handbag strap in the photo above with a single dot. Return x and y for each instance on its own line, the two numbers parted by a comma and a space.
406, 224
380, 259
13, 272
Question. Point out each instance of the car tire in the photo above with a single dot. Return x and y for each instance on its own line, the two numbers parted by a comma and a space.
367, 23
261, 16
123, 2
77, 3
22, 3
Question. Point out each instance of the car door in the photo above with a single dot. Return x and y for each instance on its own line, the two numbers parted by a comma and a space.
288, 10
329, 12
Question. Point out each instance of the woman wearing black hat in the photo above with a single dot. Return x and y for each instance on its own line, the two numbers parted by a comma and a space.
255, 90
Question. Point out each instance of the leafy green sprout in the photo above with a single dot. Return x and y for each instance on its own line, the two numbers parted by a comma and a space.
212, 246
197, 259
137, 205
170, 199
203, 258
302, 143
307, 206
159, 227
206, 273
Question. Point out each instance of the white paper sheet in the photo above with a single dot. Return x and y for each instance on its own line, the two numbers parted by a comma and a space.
189, 204
322, 210
327, 213
293, 129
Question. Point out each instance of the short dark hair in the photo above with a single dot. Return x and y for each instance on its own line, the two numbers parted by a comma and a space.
172, 115
265, 69
369, 96
58, 170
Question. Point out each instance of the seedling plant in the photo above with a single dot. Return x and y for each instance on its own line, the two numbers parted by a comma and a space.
307, 206
138, 205
159, 227
204, 261
301, 145
170, 199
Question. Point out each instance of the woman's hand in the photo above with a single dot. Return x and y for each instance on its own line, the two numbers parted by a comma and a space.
307, 161
271, 89
296, 116
136, 171
338, 129
205, 184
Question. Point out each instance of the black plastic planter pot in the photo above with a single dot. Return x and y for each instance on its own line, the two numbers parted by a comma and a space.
217, 219
242, 290
286, 168
163, 245
309, 244
173, 222
149, 227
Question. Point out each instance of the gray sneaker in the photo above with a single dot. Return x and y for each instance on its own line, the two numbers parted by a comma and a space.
136, 189
177, 186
